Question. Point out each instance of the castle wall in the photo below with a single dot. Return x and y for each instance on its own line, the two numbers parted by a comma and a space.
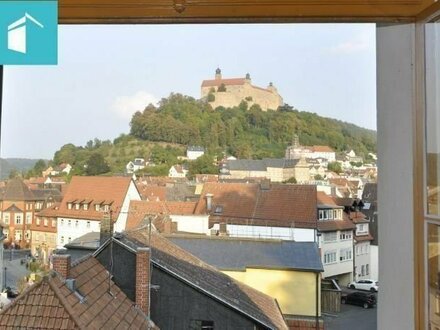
234, 94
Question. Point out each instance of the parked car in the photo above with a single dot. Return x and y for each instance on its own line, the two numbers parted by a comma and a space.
369, 285
366, 300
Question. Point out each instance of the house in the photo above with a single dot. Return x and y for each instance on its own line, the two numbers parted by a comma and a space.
194, 152
284, 270
296, 151
79, 295
88, 200
17, 32
18, 206
274, 169
177, 171
44, 233
263, 210
231, 92
181, 216
135, 165
211, 299
335, 240
151, 192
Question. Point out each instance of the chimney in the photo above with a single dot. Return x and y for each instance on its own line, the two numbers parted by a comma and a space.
209, 202
61, 264
106, 230
143, 279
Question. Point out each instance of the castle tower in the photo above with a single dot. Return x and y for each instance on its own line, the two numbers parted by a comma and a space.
218, 74
248, 78
272, 88
295, 141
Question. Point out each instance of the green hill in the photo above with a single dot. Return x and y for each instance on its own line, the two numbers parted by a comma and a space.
162, 134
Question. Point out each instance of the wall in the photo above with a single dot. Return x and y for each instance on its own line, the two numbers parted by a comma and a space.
175, 304
338, 267
362, 258
374, 262
74, 231
285, 233
295, 291
396, 118
132, 195
192, 223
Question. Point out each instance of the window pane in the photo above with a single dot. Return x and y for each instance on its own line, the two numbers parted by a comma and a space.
434, 275
433, 117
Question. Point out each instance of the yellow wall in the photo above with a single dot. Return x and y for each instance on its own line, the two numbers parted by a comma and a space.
294, 290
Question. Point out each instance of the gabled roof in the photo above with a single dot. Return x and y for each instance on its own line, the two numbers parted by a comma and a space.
13, 208
279, 205
51, 305
111, 190
16, 190
139, 209
152, 192
205, 278
326, 201
333, 225
239, 254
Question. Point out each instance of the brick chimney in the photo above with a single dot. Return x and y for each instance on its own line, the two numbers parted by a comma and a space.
143, 279
106, 230
61, 264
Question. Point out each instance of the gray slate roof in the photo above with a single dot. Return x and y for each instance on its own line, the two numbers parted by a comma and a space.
237, 254
260, 164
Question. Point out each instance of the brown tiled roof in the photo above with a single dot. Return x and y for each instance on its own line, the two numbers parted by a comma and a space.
356, 217
363, 238
208, 279
16, 190
326, 200
139, 209
279, 205
341, 182
103, 189
39, 307
51, 305
218, 82
332, 225
49, 211
202, 178
152, 192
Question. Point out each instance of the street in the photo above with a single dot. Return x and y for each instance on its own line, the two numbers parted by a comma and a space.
352, 317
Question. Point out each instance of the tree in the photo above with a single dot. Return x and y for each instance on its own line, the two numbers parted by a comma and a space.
221, 88
291, 180
14, 173
203, 165
335, 167
318, 177
96, 165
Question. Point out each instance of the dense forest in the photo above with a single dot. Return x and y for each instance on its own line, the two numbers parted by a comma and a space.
162, 133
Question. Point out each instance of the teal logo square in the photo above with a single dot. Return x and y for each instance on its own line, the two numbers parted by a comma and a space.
28, 32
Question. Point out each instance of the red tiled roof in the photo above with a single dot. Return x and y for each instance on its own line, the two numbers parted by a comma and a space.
151, 192
51, 305
356, 217
342, 182
103, 189
280, 205
226, 82
139, 209
324, 199
50, 211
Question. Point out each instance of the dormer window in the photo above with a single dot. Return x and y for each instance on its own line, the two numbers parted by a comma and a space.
85, 207
106, 208
77, 206
69, 206
218, 209
96, 207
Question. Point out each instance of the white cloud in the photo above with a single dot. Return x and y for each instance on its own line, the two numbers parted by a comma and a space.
126, 106
363, 41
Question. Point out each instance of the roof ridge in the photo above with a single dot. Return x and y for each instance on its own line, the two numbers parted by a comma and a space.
63, 300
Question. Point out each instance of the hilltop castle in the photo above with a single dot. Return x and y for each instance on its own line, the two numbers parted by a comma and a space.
231, 92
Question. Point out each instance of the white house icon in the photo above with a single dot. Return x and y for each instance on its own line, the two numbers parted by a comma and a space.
17, 33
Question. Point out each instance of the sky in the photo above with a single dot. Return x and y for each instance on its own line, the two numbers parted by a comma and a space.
106, 73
